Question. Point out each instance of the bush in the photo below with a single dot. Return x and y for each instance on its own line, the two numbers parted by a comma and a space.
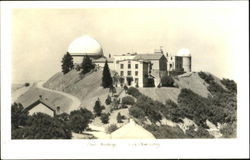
105, 118
98, 108
133, 92
111, 128
230, 85
42, 126
164, 132
119, 118
18, 115
176, 73
79, 119
207, 77
128, 100
108, 100
167, 81
26, 84
136, 112
200, 133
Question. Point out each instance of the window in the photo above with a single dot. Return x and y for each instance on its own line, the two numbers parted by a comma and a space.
136, 66
136, 73
121, 66
129, 73
121, 73
136, 80
129, 66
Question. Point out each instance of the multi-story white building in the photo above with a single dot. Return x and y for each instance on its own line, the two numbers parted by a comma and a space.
132, 69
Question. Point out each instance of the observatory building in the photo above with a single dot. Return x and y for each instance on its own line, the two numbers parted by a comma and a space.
182, 61
83, 46
133, 69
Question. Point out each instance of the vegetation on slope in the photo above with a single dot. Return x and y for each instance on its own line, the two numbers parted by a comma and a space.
43, 126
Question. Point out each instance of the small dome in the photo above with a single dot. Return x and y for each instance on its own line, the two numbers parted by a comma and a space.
183, 53
85, 45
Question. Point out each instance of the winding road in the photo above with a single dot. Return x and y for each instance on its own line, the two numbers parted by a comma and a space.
75, 101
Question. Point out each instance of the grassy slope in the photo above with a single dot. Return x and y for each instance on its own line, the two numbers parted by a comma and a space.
161, 94
194, 82
88, 89
52, 98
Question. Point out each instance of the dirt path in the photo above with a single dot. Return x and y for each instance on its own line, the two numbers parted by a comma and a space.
75, 101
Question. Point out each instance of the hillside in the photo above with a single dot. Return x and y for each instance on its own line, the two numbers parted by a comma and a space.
88, 88
161, 94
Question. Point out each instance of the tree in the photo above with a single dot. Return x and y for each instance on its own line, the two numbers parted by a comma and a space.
128, 100
18, 115
79, 119
105, 118
87, 65
108, 100
119, 118
42, 126
98, 108
67, 63
107, 81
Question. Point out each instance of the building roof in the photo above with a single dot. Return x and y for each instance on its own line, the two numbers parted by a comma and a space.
132, 131
103, 60
183, 53
85, 45
35, 103
154, 56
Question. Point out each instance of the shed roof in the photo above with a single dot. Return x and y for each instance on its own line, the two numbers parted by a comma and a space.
149, 56
103, 60
35, 103
132, 131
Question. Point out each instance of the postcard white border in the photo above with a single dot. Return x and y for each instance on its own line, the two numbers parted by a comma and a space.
187, 148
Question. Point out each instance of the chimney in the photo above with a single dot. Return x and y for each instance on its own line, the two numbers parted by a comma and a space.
40, 97
58, 109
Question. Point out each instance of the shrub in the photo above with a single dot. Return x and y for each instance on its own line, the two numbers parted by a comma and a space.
128, 100
137, 112
108, 100
26, 84
18, 115
105, 118
119, 118
111, 128
98, 108
79, 119
167, 81
176, 73
124, 106
133, 92
42, 126
200, 133
164, 132
229, 84
207, 77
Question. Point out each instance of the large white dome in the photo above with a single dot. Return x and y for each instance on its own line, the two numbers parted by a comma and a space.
85, 45
183, 53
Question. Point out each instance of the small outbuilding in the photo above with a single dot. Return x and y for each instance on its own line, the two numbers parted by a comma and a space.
43, 107
132, 130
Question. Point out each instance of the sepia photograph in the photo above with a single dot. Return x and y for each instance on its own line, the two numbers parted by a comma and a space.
126, 73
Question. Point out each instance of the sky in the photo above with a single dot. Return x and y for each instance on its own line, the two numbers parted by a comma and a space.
216, 37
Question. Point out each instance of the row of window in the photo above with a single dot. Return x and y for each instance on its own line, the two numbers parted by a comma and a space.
129, 66
128, 73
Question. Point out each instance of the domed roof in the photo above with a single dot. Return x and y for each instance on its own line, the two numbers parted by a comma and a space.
85, 45
183, 53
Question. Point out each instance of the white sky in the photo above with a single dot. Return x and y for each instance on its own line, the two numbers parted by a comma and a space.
216, 37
